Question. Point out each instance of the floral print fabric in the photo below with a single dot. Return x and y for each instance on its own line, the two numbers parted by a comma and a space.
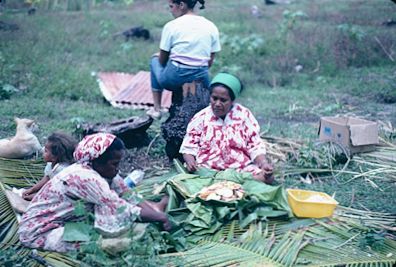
232, 143
42, 224
92, 146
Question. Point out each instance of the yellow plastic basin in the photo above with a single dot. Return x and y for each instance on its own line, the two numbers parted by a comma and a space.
310, 204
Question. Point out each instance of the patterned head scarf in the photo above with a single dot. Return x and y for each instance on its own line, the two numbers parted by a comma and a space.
92, 146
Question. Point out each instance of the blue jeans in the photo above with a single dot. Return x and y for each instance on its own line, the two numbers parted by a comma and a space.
172, 78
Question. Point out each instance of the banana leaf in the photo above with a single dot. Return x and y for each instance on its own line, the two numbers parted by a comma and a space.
344, 240
203, 217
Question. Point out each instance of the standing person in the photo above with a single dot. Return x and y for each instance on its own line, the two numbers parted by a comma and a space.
93, 181
58, 153
187, 50
225, 135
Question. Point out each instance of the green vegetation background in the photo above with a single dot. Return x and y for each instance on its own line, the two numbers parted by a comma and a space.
299, 61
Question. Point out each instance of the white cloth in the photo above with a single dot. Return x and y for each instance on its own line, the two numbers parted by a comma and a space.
52, 171
190, 39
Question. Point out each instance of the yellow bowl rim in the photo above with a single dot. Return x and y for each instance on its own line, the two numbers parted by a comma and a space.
290, 191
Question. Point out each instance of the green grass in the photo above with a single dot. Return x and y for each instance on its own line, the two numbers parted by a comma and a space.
51, 58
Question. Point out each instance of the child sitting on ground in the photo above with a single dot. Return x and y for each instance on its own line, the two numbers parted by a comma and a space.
58, 153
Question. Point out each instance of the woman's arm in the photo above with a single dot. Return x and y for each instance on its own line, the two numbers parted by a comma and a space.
29, 193
163, 57
254, 144
191, 141
267, 169
262, 163
148, 214
190, 162
212, 57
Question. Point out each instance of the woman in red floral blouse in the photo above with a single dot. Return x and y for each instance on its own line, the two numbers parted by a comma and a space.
225, 135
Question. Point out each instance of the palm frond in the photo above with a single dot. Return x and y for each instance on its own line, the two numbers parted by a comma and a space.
298, 242
20, 173
376, 220
9, 238
307, 242
253, 248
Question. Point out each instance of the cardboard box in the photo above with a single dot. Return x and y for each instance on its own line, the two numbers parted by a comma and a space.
356, 135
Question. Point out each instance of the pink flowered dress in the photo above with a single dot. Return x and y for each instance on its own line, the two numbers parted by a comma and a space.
222, 144
42, 225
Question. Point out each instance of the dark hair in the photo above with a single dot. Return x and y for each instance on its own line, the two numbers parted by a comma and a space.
230, 92
62, 146
191, 3
117, 145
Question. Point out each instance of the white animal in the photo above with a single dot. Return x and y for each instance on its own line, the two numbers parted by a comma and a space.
23, 144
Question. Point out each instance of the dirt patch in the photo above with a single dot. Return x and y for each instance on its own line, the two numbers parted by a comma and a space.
138, 158
365, 106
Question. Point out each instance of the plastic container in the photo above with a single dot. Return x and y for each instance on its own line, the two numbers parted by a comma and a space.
134, 178
311, 204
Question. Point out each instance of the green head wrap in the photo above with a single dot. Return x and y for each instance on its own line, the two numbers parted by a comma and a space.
230, 81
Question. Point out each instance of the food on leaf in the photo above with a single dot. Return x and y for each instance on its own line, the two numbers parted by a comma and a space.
224, 191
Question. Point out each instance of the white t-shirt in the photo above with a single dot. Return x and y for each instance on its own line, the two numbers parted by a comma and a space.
190, 39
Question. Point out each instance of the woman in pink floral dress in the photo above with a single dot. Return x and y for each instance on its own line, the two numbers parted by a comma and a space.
225, 135
94, 181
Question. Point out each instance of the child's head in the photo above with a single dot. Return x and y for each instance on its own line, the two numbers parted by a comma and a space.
59, 148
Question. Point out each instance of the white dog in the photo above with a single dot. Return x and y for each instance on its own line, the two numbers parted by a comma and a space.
23, 144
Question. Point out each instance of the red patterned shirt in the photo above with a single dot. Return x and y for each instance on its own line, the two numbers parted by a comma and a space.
222, 144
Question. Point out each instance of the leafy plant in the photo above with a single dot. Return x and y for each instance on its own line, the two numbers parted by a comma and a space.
372, 239
140, 252
289, 21
6, 91
238, 44
354, 32
320, 156
105, 26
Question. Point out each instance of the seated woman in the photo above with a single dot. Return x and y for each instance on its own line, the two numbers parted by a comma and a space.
92, 180
225, 135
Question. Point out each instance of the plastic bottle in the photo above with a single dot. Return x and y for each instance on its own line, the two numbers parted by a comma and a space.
134, 178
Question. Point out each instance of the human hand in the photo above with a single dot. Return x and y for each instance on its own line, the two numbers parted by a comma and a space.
268, 170
191, 163
28, 194
166, 223
262, 163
